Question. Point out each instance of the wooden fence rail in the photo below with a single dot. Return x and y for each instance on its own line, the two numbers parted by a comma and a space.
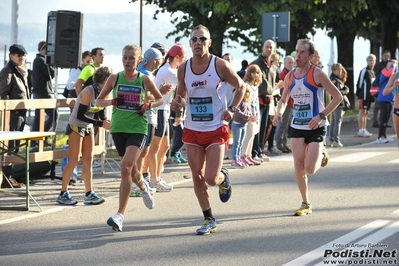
6, 106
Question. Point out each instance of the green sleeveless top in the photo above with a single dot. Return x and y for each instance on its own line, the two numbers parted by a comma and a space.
124, 117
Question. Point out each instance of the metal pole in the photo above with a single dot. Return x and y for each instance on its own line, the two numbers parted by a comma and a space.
14, 21
141, 24
275, 28
5, 54
332, 56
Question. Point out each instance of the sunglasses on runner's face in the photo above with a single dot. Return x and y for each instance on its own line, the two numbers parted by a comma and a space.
200, 39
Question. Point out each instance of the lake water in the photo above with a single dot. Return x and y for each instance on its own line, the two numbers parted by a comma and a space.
321, 41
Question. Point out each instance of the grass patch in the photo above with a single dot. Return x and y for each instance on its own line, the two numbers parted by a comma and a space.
351, 112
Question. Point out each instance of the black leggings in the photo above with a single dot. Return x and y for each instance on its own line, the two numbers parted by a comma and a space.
385, 112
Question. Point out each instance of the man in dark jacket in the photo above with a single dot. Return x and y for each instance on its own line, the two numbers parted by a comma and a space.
42, 75
366, 78
14, 85
266, 88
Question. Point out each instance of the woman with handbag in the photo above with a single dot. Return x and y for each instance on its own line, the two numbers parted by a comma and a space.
338, 114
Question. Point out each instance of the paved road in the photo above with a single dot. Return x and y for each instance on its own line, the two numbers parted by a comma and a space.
354, 197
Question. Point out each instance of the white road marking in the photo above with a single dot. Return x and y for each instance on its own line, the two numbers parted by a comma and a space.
355, 157
379, 228
394, 161
347, 158
60, 208
375, 238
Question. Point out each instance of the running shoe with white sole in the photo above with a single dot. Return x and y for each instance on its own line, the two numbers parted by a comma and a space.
161, 185
93, 199
305, 209
116, 222
66, 199
148, 199
209, 226
384, 140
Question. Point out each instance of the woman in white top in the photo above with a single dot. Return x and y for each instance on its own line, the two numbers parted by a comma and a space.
74, 74
166, 81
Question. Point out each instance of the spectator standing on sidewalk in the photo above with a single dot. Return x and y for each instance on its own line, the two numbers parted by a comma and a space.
42, 76
282, 129
75, 72
386, 55
206, 133
242, 115
14, 86
242, 71
338, 113
271, 129
253, 80
266, 88
386, 100
364, 82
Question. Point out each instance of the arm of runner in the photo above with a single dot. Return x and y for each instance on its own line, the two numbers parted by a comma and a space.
282, 104
230, 76
103, 98
181, 93
150, 85
393, 82
79, 85
321, 78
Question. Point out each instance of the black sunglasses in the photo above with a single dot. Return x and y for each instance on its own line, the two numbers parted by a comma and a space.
201, 39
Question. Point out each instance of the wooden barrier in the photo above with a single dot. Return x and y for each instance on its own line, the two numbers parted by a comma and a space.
6, 106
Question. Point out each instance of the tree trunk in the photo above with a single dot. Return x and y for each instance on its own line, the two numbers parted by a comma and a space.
218, 28
390, 37
345, 57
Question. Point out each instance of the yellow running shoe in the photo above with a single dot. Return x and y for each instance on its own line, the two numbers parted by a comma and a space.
324, 161
305, 209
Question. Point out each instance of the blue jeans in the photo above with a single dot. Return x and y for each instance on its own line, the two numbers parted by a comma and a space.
336, 123
239, 131
177, 139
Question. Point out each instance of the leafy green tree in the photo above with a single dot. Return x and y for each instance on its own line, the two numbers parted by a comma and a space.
381, 25
340, 20
234, 20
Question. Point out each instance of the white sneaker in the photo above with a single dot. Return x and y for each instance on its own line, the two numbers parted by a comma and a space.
148, 199
116, 222
152, 190
364, 134
384, 140
273, 151
96, 163
147, 177
337, 144
367, 133
161, 186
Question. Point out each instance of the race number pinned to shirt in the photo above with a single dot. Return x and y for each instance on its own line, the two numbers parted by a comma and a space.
131, 97
302, 114
201, 108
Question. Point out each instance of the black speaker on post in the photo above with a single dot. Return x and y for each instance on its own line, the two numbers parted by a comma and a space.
64, 38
